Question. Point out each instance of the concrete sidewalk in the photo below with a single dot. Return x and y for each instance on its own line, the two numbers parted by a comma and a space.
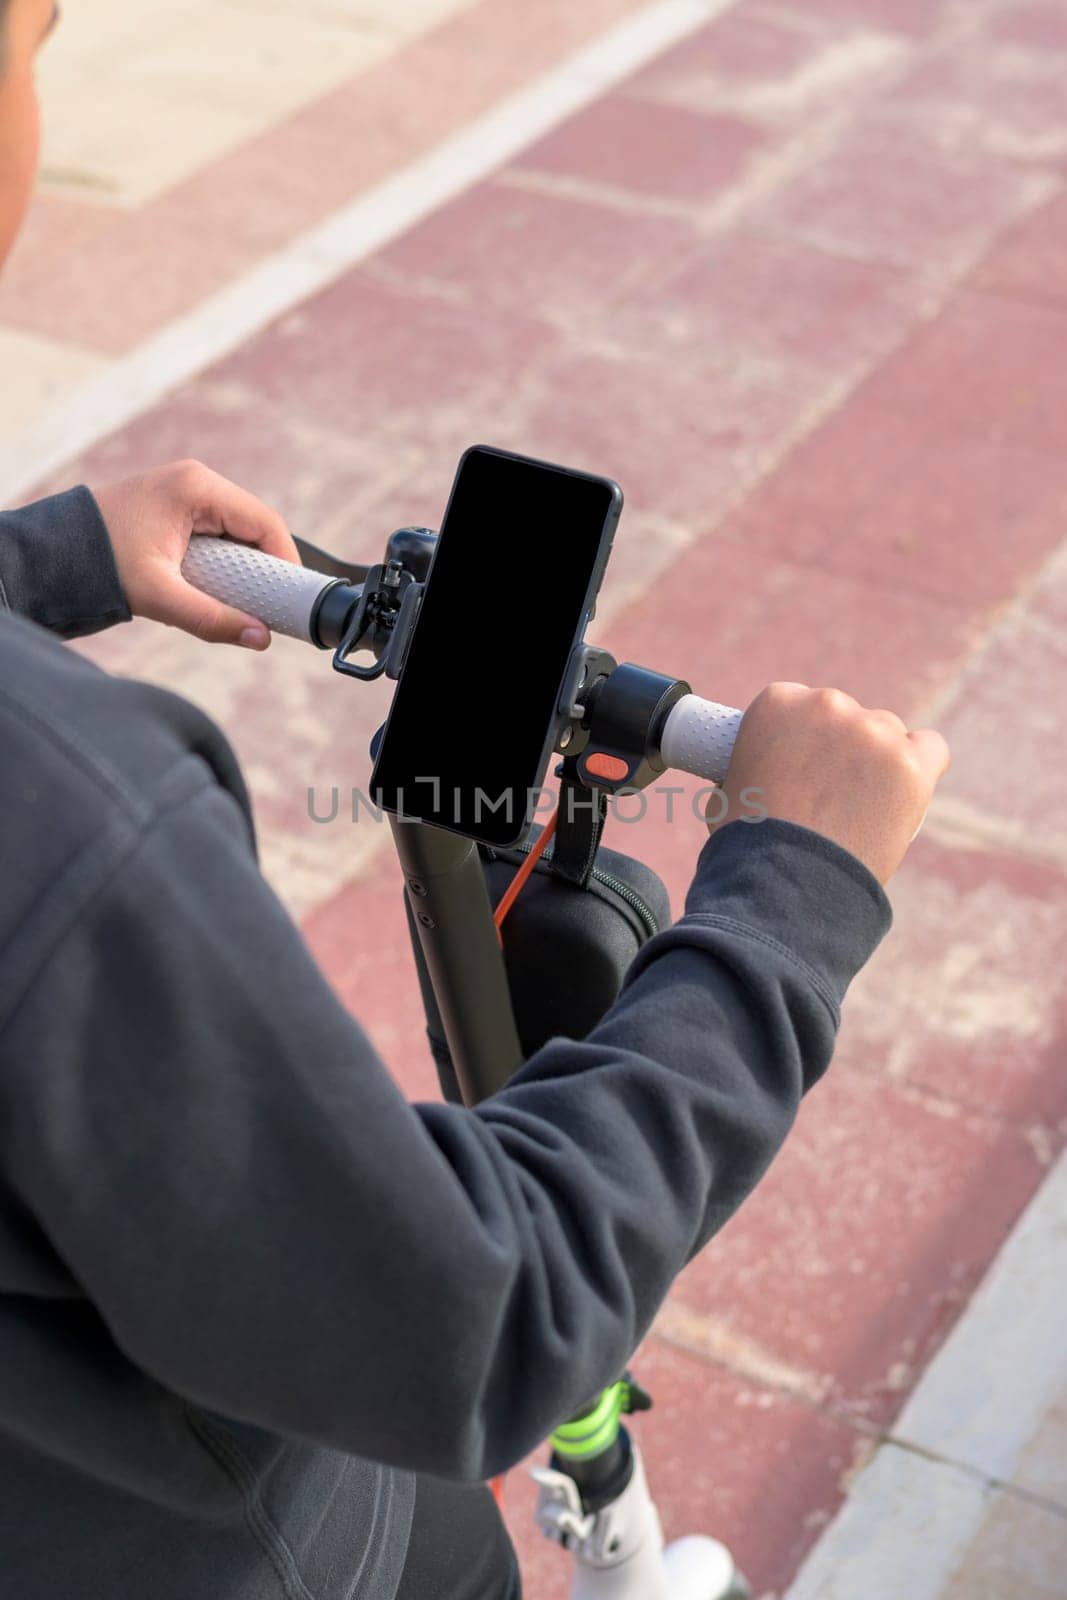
795, 272
967, 1498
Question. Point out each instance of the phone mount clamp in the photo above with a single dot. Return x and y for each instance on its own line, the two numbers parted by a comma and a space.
610, 742
383, 619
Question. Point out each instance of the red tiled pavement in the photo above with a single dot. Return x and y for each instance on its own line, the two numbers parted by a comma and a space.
735, 616
1006, 102
922, 18
745, 297
1040, 24
371, 362
940, 202
342, 398
989, 368
836, 411
856, 1253
681, 442
1008, 726
512, 248
978, 955
1030, 262
655, 150
776, 66
882, 496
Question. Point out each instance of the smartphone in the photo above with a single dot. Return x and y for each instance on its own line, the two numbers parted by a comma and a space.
514, 577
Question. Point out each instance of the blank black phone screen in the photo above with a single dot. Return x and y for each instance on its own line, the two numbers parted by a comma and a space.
513, 573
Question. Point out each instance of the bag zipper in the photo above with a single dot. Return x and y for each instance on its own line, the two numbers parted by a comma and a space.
644, 911
631, 896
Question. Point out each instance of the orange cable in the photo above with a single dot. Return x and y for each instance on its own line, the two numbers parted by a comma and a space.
513, 888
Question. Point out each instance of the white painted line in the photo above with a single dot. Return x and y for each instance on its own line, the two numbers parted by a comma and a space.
226, 319
909, 1518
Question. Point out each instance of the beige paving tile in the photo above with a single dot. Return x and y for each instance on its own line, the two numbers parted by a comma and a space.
907, 1524
1020, 1553
33, 372
1042, 1465
404, 19
137, 98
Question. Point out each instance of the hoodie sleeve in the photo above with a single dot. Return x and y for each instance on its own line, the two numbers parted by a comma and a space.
266, 1225
57, 567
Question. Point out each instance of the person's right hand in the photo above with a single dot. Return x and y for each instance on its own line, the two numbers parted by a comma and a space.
821, 759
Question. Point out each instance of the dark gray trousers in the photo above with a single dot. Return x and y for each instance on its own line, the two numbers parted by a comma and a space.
460, 1548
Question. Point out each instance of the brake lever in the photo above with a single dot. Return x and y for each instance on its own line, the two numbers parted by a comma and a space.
333, 566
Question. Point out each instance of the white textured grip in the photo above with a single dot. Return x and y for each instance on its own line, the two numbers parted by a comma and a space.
279, 593
699, 737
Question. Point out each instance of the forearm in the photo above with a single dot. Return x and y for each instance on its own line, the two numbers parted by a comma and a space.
57, 566
268, 1228
620, 1156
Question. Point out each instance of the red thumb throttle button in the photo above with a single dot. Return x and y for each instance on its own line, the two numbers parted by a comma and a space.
604, 766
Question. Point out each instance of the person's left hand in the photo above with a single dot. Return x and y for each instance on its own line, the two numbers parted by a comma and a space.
150, 520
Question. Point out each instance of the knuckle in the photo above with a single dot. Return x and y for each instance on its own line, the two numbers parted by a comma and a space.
881, 734
906, 769
780, 694
911, 759
834, 703
186, 476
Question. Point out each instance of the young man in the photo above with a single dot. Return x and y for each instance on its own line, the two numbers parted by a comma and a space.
265, 1328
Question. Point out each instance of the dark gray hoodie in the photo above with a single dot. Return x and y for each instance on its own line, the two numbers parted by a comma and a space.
246, 1289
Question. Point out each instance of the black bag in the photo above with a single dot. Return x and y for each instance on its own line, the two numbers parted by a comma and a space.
569, 939
566, 948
